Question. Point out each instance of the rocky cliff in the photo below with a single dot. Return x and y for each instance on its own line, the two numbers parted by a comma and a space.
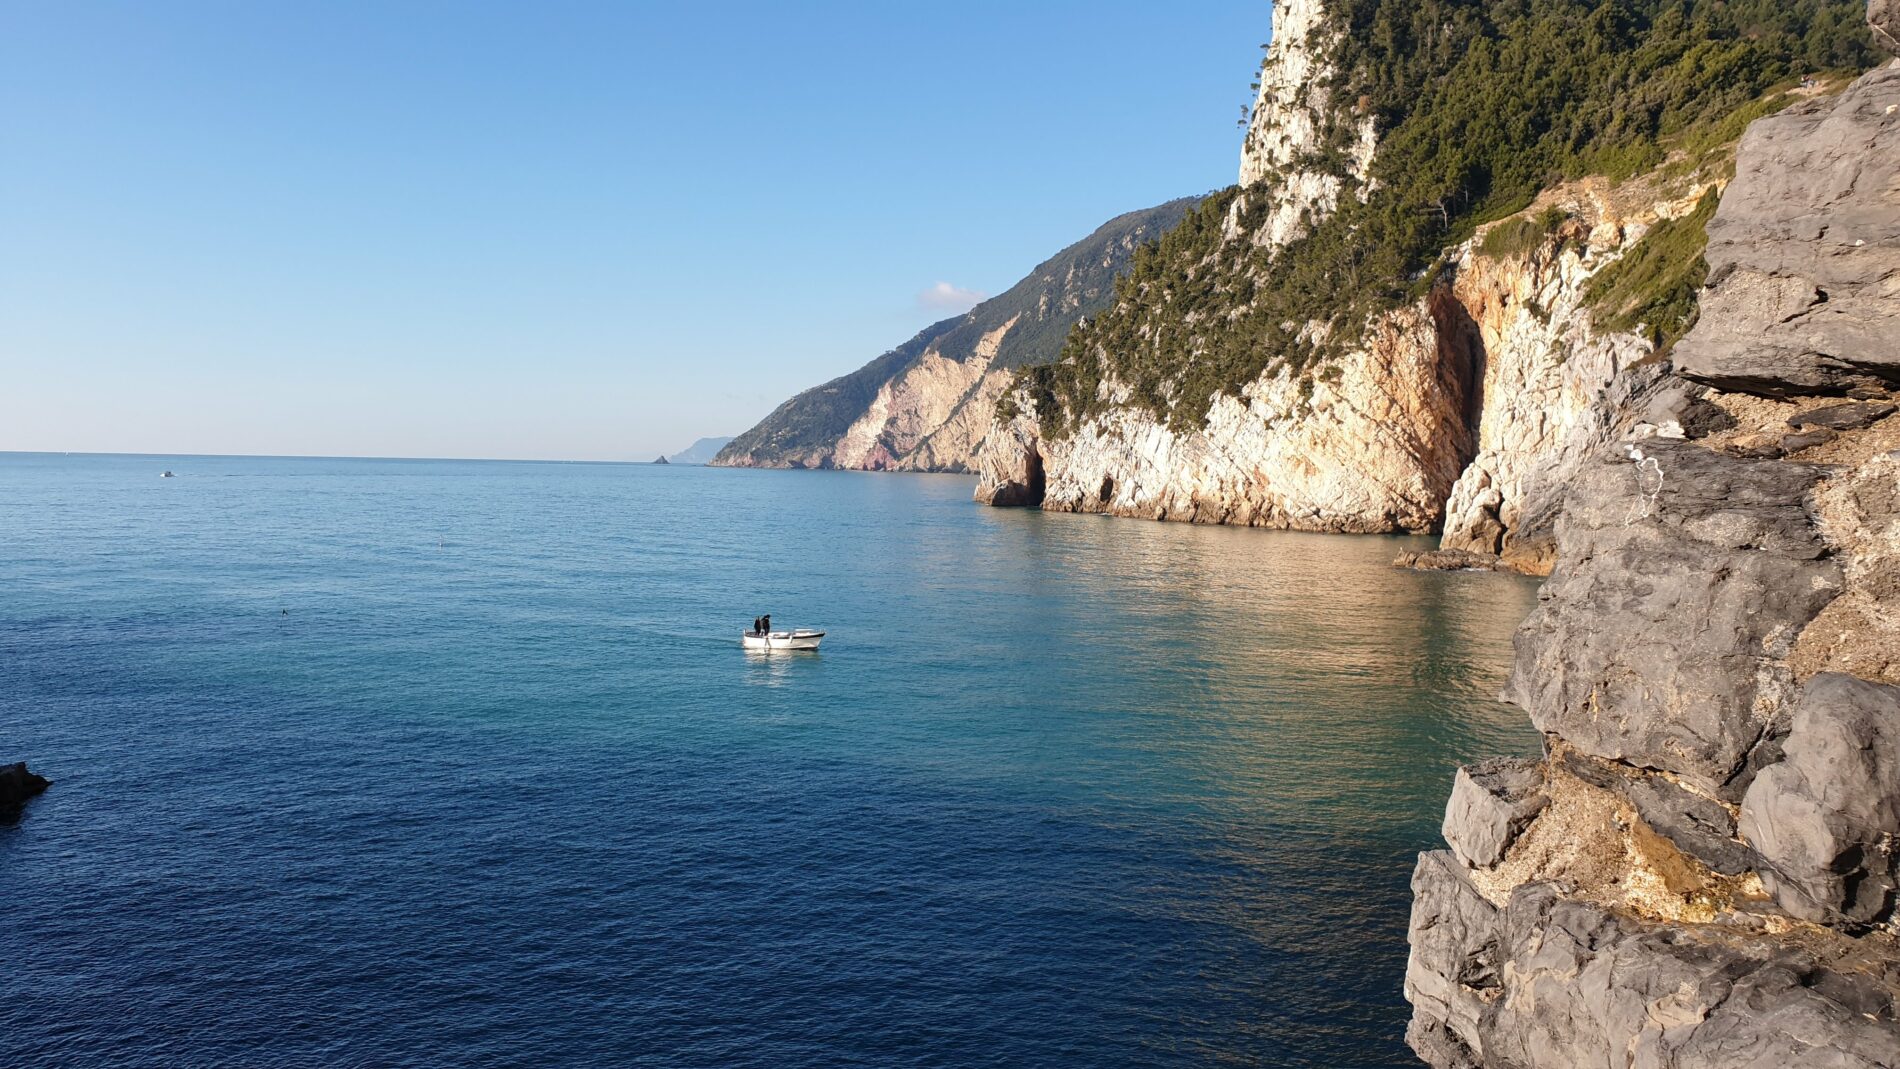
1700, 870
1468, 408
924, 405
1346, 342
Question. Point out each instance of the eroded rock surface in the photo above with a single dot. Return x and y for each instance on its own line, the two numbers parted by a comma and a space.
1662, 637
1826, 816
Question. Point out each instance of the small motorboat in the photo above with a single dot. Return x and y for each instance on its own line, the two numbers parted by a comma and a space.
165, 475
803, 638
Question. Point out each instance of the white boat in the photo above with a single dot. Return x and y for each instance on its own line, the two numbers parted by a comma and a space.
801, 639
164, 474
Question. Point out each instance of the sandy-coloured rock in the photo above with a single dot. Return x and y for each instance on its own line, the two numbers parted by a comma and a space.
1374, 449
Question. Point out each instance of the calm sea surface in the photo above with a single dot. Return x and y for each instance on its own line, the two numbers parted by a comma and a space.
370, 763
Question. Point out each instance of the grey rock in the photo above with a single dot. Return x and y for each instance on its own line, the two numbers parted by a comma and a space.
1825, 818
1553, 983
1803, 250
1605, 774
17, 785
1451, 976
1491, 803
1883, 17
1701, 828
1851, 416
1686, 406
1449, 560
1661, 637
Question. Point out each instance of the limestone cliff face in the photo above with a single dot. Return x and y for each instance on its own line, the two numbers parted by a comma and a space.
1375, 449
1471, 409
1554, 386
1700, 870
924, 405
1289, 122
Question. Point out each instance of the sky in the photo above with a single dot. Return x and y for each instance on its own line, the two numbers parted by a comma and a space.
551, 229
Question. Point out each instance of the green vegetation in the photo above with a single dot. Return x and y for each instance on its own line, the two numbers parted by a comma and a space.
1654, 285
1479, 104
1515, 237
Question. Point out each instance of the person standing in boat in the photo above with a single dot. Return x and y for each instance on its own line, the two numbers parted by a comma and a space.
767, 627
757, 625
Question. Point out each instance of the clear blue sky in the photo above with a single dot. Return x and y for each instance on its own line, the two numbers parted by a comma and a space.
548, 229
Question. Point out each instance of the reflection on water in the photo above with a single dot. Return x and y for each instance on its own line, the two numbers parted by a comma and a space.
775, 668
472, 749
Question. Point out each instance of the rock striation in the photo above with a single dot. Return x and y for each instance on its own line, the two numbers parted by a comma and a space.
1700, 870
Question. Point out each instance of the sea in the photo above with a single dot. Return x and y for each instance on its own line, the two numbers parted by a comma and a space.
447, 763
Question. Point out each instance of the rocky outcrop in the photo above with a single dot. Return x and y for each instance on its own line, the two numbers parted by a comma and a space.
1707, 873
926, 404
1376, 448
1804, 256
1671, 532
17, 786
1470, 411
1551, 981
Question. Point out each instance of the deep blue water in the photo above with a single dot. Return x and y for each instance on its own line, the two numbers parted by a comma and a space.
369, 763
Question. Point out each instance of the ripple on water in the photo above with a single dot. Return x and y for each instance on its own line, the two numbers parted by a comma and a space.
379, 762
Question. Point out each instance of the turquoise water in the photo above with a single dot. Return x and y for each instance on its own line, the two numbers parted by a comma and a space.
450, 763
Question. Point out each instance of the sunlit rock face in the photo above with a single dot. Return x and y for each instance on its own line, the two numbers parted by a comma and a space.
1375, 449
1708, 874
1289, 116
1468, 411
1471, 410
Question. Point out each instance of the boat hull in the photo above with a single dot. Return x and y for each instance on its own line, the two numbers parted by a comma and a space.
782, 640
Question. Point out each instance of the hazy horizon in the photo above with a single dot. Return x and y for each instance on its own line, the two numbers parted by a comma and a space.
592, 232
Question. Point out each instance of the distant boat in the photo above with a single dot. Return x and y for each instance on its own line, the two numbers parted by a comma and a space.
165, 475
801, 639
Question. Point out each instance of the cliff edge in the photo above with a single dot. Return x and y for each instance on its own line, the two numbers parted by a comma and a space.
1701, 869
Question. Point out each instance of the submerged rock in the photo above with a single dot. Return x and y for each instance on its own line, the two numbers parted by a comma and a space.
1450, 560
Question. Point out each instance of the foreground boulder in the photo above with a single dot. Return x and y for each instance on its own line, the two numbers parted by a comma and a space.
1825, 818
1803, 253
1684, 578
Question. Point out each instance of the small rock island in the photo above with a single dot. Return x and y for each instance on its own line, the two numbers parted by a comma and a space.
17, 786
